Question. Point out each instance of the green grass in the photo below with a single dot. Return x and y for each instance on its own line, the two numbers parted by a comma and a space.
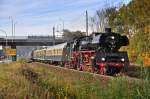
20, 80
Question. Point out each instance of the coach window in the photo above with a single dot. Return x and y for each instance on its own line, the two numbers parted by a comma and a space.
49, 52
41, 53
57, 51
60, 51
38, 54
53, 52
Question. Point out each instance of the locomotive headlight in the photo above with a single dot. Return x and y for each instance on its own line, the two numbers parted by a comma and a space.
113, 37
103, 59
92, 57
122, 59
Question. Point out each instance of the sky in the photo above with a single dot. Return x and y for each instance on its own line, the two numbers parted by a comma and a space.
37, 17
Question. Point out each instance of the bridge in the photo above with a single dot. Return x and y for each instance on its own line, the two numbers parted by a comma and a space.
29, 41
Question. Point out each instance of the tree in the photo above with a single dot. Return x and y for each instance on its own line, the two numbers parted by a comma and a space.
133, 20
70, 35
99, 21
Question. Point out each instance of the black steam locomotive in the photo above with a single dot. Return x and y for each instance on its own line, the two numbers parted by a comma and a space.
98, 53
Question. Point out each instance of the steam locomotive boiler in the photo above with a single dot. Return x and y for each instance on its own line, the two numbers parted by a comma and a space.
98, 53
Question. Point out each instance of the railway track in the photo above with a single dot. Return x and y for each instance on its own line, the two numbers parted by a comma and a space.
131, 77
58, 68
139, 72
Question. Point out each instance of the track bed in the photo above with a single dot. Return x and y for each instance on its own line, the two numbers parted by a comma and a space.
132, 74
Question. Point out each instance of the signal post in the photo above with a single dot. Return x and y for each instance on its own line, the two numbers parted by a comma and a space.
11, 52
14, 53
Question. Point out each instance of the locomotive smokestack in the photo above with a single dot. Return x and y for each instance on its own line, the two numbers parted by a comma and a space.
108, 30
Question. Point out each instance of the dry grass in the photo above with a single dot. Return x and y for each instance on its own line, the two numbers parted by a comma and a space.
20, 80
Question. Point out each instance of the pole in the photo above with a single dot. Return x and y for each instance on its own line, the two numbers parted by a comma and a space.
53, 35
14, 58
87, 23
63, 26
63, 29
6, 39
5, 34
14, 30
12, 23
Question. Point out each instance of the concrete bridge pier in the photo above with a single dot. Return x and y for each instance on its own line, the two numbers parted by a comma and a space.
14, 58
